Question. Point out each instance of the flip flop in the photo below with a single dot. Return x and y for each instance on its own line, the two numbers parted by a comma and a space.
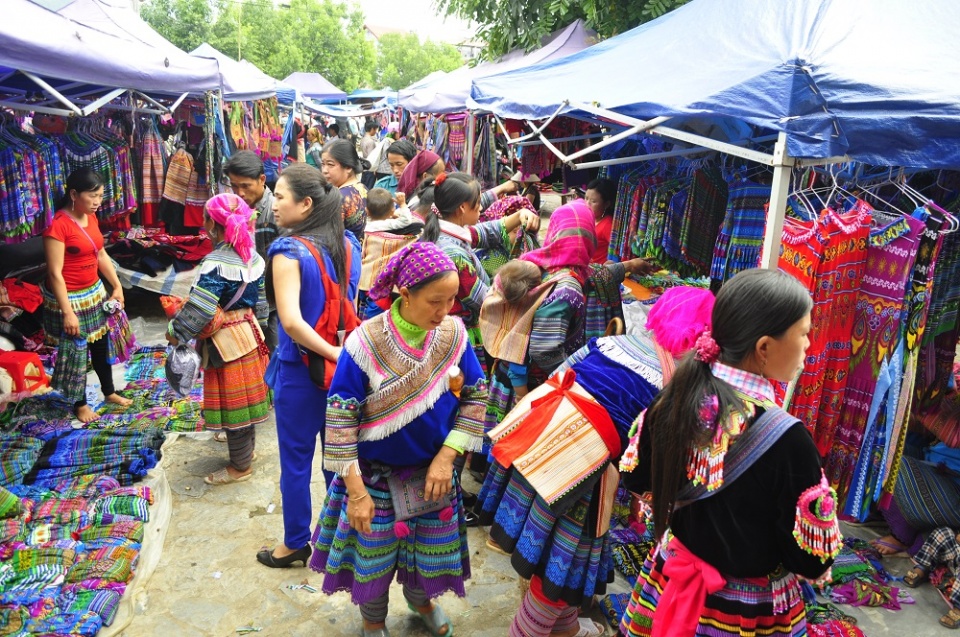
434, 620
893, 550
222, 476
589, 628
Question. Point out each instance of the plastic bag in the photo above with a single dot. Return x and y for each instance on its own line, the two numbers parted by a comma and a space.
182, 368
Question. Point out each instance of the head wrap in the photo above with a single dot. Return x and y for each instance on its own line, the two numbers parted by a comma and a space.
679, 318
505, 207
420, 164
233, 213
570, 241
413, 264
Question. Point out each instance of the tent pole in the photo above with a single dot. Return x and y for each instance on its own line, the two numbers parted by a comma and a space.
780, 188
471, 142
106, 99
36, 109
49, 89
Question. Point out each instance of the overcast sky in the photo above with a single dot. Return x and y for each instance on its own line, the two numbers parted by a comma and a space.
419, 16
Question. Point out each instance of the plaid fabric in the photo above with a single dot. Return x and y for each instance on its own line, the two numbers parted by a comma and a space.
941, 548
604, 302
750, 384
702, 217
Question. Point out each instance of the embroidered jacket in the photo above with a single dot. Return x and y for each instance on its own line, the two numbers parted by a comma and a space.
392, 403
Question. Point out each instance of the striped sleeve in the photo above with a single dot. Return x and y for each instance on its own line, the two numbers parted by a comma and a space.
490, 234
555, 328
200, 308
467, 432
344, 400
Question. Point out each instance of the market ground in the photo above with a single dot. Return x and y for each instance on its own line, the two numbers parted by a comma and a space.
199, 575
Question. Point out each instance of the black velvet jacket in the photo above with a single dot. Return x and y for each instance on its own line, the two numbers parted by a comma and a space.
746, 530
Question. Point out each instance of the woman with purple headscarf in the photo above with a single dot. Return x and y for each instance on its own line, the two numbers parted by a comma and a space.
406, 400
229, 291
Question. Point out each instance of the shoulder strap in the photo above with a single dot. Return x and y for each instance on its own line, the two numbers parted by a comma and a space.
331, 290
745, 451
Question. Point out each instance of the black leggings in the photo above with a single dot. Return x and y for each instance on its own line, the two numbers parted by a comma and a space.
99, 351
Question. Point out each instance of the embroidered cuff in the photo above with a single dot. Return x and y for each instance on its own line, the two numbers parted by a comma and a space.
340, 435
458, 441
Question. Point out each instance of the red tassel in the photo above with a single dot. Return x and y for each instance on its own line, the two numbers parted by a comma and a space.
446, 514
401, 530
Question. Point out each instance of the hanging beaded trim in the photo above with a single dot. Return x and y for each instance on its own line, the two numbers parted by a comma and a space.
816, 528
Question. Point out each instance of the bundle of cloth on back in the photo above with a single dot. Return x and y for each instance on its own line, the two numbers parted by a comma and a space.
407, 396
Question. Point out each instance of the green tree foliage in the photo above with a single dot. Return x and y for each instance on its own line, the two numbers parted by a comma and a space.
510, 24
186, 23
402, 59
319, 36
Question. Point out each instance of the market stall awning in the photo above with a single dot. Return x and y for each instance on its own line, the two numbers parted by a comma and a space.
876, 81
241, 81
314, 86
449, 92
113, 17
45, 56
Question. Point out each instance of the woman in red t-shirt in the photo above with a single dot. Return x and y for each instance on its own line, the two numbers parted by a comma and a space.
74, 317
601, 195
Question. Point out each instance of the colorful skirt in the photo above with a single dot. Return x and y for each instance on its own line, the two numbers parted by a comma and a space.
743, 607
562, 550
434, 557
235, 395
70, 371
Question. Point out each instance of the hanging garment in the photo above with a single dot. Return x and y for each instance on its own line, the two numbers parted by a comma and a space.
890, 259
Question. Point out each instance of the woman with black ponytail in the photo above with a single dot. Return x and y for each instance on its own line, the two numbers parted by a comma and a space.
735, 478
307, 208
452, 225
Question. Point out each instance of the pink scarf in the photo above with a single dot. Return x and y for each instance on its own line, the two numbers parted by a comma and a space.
233, 213
570, 241
420, 164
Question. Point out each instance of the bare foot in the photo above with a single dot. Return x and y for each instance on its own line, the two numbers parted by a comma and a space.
117, 399
888, 545
85, 414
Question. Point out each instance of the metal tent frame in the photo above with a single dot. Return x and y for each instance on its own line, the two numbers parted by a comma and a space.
780, 160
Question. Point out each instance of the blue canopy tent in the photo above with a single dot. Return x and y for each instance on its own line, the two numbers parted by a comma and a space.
314, 86
51, 63
833, 79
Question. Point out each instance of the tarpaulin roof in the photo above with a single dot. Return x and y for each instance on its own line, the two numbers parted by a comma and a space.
241, 81
116, 18
314, 85
75, 57
448, 93
876, 81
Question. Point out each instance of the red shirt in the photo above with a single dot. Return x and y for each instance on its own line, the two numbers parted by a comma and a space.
604, 228
81, 246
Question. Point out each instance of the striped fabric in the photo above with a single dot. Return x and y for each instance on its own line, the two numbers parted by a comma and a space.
378, 247
573, 564
108, 564
88, 306
235, 395
434, 556
604, 302
742, 608
178, 177
741, 234
926, 498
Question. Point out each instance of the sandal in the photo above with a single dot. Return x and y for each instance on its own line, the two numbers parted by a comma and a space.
589, 628
496, 548
887, 548
220, 436
435, 620
222, 476
951, 619
914, 577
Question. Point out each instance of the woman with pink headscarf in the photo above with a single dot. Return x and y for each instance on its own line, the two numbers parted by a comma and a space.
229, 291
